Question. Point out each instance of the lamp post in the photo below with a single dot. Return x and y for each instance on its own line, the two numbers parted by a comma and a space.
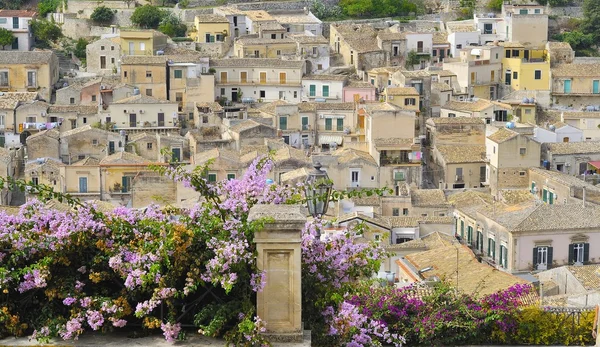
317, 189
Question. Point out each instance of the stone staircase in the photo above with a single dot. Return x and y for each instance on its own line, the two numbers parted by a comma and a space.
65, 64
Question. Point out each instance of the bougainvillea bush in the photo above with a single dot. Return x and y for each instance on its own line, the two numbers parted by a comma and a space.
65, 272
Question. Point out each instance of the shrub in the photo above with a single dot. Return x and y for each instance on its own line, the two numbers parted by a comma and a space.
6, 37
47, 6
102, 15
80, 48
495, 5
172, 26
45, 31
147, 16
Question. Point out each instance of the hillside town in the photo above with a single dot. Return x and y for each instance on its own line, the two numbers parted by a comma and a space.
485, 129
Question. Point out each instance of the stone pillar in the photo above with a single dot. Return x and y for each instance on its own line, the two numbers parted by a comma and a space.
279, 254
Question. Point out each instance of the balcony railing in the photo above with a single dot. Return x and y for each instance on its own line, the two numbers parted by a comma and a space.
398, 161
423, 50
229, 81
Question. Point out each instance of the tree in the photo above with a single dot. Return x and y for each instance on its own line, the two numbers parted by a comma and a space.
591, 18
6, 37
47, 6
495, 5
102, 15
412, 59
172, 26
80, 47
45, 31
147, 16
467, 8
357, 8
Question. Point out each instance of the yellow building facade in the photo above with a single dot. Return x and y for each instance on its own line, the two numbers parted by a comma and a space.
210, 28
28, 72
406, 98
142, 42
149, 74
526, 69
264, 48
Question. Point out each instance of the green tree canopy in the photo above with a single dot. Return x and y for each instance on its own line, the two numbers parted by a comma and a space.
495, 5
102, 15
45, 31
377, 8
80, 47
591, 18
147, 16
6, 37
47, 6
172, 26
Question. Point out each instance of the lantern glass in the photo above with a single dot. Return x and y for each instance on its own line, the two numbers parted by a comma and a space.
318, 190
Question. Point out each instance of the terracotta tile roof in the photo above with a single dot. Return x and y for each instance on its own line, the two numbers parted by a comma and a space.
503, 135
52, 133
313, 106
350, 155
443, 73
144, 60
516, 196
587, 275
573, 147
576, 70
428, 198
9, 101
360, 37
440, 38
411, 91
80, 109
461, 26
35, 164
142, 99
211, 18
124, 158
367, 201
26, 57
381, 106
214, 106
272, 106
393, 142
462, 154
408, 222
387, 35
457, 120
87, 161
226, 154
79, 130
270, 26
475, 278
325, 77
289, 153
440, 87
297, 175
306, 39
546, 217
17, 13
468, 106
562, 178
259, 15
257, 62
558, 45
244, 40
470, 197
359, 84
431, 241
246, 125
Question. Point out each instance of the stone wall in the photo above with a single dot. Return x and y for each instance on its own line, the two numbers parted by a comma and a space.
571, 11
376, 22
74, 6
151, 188
213, 49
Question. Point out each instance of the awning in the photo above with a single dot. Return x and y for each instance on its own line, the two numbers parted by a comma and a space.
595, 164
329, 139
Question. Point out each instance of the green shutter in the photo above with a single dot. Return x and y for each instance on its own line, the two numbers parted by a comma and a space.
283, 123
230, 176
462, 229
571, 253
469, 234
304, 123
325, 91
178, 73
328, 124
532, 187
340, 124
586, 253
550, 253
545, 195
312, 90
489, 252
551, 198
212, 177
535, 254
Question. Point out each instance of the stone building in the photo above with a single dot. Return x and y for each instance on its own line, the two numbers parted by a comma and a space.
103, 56
87, 141
44, 144
28, 72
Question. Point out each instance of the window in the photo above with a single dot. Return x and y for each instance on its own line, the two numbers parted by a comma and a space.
84, 120
222, 91
528, 111
459, 46
325, 91
73, 123
507, 53
469, 234
205, 119
256, 54
479, 241
295, 94
93, 97
263, 94
101, 48
148, 74
328, 124
319, 66
538, 74
410, 101
377, 237
161, 119
451, 115
487, 28
32, 79
95, 142
3, 78
278, 52
521, 173
314, 49
212, 177
108, 119
542, 257
3, 20
273, 36
125, 74
462, 229
405, 212
312, 90
142, 46
283, 122
112, 48
35, 180
15, 22
537, 11
149, 92
15, 43
595, 86
503, 257
522, 151
491, 248
30, 119
230, 176
178, 73
304, 123
515, 75
354, 176
340, 124
149, 145
395, 212
579, 253
72, 101
435, 52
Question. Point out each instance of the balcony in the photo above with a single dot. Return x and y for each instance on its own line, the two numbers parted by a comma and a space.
423, 50
398, 161
248, 82
38, 126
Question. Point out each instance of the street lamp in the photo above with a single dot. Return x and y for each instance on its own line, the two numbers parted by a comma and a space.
317, 189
